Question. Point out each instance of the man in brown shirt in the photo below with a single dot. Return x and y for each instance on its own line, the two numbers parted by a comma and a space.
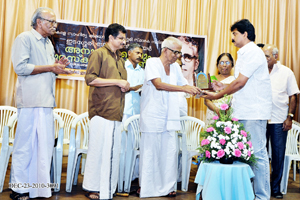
107, 78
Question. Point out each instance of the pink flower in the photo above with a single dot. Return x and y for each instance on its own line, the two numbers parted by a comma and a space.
222, 141
224, 106
244, 133
240, 145
221, 153
215, 117
227, 130
207, 154
235, 119
249, 153
210, 129
237, 153
204, 142
250, 144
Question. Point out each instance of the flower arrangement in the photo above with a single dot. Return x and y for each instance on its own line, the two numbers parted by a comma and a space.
226, 138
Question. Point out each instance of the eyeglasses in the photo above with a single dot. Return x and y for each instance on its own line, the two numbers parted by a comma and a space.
188, 57
174, 51
50, 21
227, 63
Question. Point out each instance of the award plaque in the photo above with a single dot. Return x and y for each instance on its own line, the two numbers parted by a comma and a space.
203, 81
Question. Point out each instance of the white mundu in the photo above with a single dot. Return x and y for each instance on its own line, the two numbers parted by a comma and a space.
158, 123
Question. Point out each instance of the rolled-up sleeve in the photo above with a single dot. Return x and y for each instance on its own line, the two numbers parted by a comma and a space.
94, 67
20, 56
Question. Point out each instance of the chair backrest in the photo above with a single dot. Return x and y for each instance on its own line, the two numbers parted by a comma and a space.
292, 140
133, 123
67, 116
5, 113
191, 127
81, 122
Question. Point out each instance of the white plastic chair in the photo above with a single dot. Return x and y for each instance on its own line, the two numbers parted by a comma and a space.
8, 119
134, 135
57, 151
77, 147
292, 153
190, 129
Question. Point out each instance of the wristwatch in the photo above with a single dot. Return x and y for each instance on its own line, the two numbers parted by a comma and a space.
291, 115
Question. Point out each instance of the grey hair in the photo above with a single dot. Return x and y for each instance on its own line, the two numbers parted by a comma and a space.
169, 41
275, 51
38, 14
133, 46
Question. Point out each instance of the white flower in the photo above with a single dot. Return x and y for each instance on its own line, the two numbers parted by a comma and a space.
218, 124
244, 140
221, 137
234, 141
227, 138
213, 153
228, 124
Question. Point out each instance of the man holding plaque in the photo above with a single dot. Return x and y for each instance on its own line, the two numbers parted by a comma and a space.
252, 98
160, 119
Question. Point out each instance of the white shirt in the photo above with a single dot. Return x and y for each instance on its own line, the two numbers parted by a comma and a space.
254, 100
284, 84
159, 108
135, 76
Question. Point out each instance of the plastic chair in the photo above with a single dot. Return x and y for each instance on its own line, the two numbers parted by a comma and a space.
77, 148
292, 153
8, 119
132, 128
57, 151
190, 129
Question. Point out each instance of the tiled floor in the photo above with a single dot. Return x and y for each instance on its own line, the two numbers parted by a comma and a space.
78, 193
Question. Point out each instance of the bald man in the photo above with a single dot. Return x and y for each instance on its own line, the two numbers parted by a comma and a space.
284, 99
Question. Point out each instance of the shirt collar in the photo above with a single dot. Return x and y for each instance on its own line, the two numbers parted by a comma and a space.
129, 64
118, 52
245, 47
38, 36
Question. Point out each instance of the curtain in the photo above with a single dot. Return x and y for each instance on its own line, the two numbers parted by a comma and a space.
276, 22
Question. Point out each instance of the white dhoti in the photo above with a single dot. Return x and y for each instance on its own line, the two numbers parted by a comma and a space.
32, 152
102, 162
158, 163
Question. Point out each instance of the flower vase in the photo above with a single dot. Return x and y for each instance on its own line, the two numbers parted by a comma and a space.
225, 160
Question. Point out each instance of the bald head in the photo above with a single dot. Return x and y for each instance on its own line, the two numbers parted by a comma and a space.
271, 53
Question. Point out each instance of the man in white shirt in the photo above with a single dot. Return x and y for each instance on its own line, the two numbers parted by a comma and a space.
284, 95
135, 77
160, 119
252, 99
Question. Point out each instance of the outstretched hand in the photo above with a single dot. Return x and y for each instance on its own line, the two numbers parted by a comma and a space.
59, 69
208, 95
217, 85
192, 89
63, 61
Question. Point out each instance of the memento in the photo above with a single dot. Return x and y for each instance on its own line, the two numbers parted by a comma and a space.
203, 81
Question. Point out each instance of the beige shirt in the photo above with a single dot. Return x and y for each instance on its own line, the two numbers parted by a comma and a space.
29, 49
108, 101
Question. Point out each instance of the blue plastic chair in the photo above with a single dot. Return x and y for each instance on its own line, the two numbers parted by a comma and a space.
77, 147
8, 119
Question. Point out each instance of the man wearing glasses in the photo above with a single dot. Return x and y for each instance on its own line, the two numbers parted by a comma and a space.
189, 59
107, 77
160, 119
34, 63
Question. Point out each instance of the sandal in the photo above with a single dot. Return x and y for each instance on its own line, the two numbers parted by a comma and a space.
18, 196
171, 194
92, 195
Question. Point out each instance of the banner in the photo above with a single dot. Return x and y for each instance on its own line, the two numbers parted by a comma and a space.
77, 40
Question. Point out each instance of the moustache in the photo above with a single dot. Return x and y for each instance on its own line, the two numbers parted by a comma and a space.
232, 41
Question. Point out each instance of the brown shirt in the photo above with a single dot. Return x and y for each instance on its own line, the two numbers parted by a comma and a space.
108, 101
